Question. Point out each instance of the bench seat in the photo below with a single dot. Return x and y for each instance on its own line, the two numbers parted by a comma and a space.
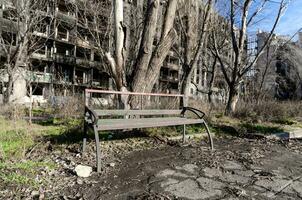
108, 120
120, 124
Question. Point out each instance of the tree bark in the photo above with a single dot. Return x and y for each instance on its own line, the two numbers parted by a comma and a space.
233, 98
146, 47
211, 84
119, 43
9, 89
158, 58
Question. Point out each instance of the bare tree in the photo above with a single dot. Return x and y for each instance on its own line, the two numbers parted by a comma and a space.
18, 40
141, 39
242, 15
193, 23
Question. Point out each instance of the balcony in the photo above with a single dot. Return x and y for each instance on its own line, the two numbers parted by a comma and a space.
172, 66
80, 80
64, 59
39, 77
170, 79
68, 17
83, 62
83, 43
40, 34
41, 55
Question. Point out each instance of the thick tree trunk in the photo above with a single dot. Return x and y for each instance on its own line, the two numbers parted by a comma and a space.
149, 62
168, 38
146, 48
185, 87
233, 98
158, 58
119, 43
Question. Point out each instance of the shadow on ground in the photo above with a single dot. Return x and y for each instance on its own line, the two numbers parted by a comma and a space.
75, 135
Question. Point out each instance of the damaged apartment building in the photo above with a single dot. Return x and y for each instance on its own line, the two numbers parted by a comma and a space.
61, 60
279, 68
61, 56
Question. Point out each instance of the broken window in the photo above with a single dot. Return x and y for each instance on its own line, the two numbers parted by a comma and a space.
80, 77
97, 57
83, 53
37, 90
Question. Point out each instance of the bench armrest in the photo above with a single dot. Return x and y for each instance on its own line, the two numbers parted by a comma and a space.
91, 115
197, 112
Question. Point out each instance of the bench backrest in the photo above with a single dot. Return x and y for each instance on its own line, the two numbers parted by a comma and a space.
102, 113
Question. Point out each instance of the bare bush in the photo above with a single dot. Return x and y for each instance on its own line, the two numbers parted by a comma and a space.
13, 111
270, 111
208, 108
73, 107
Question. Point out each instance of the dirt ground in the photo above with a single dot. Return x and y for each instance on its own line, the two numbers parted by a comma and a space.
145, 168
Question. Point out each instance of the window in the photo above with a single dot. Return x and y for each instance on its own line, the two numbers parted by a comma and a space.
37, 90
97, 58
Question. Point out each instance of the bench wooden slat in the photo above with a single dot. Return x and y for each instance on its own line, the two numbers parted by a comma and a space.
120, 124
136, 112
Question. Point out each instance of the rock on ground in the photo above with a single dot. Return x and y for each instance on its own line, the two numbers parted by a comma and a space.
83, 171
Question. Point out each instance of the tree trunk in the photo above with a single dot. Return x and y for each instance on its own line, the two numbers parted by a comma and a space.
233, 98
119, 43
146, 47
30, 103
185, 87
158, 58
168, 38
9, 89
211, 83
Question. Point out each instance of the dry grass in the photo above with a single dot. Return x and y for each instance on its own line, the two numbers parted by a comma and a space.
270, 111
211, 111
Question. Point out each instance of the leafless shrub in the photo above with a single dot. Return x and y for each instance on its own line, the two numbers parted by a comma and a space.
71, 107
209, 109
269, 110
13, 111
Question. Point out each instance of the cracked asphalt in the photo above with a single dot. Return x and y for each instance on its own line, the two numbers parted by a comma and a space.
237, 169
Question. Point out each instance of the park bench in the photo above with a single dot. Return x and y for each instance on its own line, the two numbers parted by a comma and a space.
101, 120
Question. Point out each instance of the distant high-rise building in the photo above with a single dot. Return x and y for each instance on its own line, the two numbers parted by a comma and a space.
300, 39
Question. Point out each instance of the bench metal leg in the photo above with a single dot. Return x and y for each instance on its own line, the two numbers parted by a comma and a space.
184, 134
98, 151
85, 138
209, 135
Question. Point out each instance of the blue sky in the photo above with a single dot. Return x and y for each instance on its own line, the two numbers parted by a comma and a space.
290, 22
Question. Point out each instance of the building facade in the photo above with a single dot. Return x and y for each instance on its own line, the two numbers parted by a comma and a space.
65, 59
278, 67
